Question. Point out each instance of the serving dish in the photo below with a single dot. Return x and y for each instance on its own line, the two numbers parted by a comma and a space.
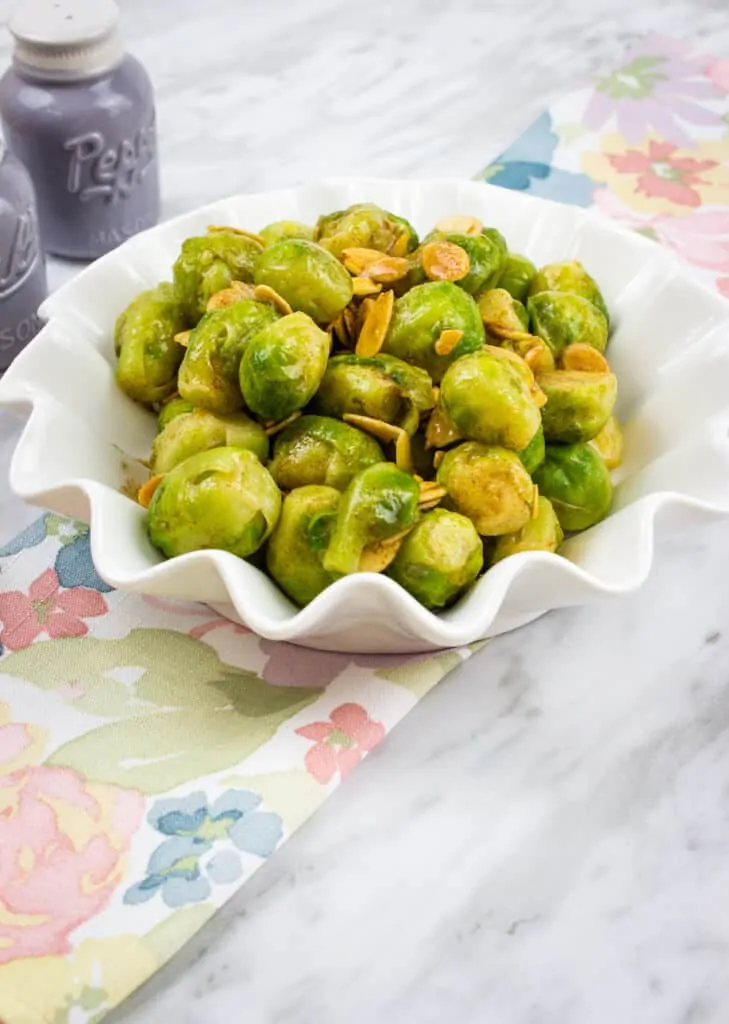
78, 454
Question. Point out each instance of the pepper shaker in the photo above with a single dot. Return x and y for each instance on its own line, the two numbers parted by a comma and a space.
79, 113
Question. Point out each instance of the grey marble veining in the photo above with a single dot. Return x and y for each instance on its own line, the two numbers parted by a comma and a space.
545, 838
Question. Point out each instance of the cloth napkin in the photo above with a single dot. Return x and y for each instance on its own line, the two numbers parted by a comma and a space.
153, 755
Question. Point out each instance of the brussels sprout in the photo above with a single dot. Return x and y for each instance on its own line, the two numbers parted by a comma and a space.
516, 276
379, 502
198, 431
282, 366
310, 279
366, 226
419, 318
281, 229
485, 255
209, 372
144, 338
175, 406
223, 498
209, 263
562, 319
488, 399
295, 548
320, 450
533, 455
571, 277
489, 485
609, 444
577, 482
579, 404
542, 533
439, 558
502, 314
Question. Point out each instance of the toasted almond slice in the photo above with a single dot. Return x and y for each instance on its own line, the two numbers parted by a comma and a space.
539, 359
584, 357
358, 260
428, 506
376, 557
213, 228
275, 426
237, 291
438, 458
350, 323
183, 338
364, 286
375, 326
444, 261
440, 432
146, 491
447, 341
538, 395
434, 493
264, 293
403, 452
385, 432
535, 502
399, 245
459, 226
337, 328
388, 269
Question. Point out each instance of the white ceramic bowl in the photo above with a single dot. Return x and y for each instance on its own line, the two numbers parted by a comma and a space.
669, 349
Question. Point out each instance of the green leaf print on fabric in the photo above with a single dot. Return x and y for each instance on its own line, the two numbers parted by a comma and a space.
421, 676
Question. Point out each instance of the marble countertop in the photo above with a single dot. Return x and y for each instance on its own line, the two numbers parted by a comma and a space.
556, 848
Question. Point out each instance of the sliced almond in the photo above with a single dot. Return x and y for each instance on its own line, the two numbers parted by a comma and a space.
459, 226
403, 452
440, 432
146, 491
264, 293
237, 291
183, 338
365, 308
387, 432
535, 502
431, 494
399, 245
350, 322
376, 265
214, 228
376, 557
539, 358
444, 261
584, 357
364, 286
376, 325
447, 341
275, 426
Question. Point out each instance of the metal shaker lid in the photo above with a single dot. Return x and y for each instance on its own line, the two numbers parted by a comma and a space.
71, 38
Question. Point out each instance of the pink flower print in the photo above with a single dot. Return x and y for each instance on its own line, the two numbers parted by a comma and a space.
723, 286
718, 73
47, 609
341, 743
660, 174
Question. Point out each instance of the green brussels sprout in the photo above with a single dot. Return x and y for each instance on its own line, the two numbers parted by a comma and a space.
516, 276
422, 314
310, 279
488, 398
281, 229
366, 226
571, 277
223, 498
208, 375
579, 404
542, 533
144, 339
502, 313
175, 406
379, 502
320, 450
439, 558
489, 485
577, 482
200, 430
283, 365
296, 546
485, 254
533, 455
209, 263
561, 319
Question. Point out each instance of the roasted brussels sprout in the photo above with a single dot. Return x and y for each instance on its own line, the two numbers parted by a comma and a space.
209, 372
485, 254
365, 226
320, 450
420, 317
561, 319
489, 485
198, 431
488, 398
379, 502
579, 404
439, 558
541, 533
502, 314
577, 482
174, 406
516, 276
609, 444
295, 548
223, 498
308, 277
533, 455
144, 338
283, 365
281, 229
571, 277
209, 263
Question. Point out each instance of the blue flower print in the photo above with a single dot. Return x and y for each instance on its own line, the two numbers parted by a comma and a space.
74, 566
204, 845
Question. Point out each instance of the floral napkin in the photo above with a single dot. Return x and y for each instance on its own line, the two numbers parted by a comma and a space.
153, 755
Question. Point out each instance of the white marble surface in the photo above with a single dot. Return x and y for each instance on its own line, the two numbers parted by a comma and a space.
545, 839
